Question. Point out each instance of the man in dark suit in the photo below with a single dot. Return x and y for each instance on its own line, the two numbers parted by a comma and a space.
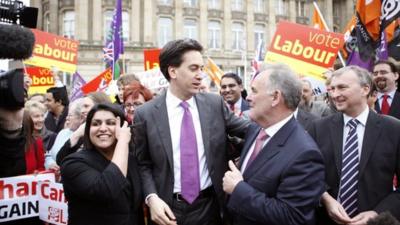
385, 75
181, 142
305, 118
57, 106
281, 173
231, 91
361, 151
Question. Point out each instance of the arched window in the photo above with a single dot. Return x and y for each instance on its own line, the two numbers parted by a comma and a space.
190, 29
237, 36
164, 31
69, 24
214, 35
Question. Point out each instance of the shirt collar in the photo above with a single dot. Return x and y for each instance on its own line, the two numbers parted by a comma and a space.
175, 102
272, 130
390, 94
362, 118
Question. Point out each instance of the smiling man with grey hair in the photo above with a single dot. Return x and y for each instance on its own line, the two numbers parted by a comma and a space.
280, 176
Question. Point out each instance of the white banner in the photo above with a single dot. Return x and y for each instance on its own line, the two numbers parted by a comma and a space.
18, 196
152, 79
53, 206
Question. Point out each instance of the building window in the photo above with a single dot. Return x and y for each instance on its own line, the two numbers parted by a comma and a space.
190, 3
108, 18
214, 4
237, 5
281, 6
69, 24
259, 34
237, 36
301, 8
190, 29
125, 26
46, 22
165, 2
164, 31
214, 35
259, 6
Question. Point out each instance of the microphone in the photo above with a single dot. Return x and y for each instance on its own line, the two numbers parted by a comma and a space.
16, 42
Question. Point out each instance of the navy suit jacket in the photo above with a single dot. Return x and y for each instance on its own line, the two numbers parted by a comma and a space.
379, 161
394, 107
283, 184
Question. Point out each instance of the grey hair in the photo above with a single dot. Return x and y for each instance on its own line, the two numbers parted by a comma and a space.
285, 80
364, 77
76, 105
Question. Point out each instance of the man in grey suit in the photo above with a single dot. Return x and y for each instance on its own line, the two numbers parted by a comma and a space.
181, 142
361, 151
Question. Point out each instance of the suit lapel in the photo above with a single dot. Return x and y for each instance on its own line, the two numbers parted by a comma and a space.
205, 116
394, 107
249, 142
336, 133
272, 148
160, 118
371, 135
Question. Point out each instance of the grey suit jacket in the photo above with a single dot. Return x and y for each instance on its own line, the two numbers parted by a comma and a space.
154, 146
380, 160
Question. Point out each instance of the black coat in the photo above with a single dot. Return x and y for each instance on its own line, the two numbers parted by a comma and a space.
98, 193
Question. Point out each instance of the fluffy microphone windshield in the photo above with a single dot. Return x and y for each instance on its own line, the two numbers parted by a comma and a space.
16, 42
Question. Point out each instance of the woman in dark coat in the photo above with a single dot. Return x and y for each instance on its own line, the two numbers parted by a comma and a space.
101, 182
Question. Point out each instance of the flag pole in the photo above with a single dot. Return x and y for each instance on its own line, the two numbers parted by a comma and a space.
327, 29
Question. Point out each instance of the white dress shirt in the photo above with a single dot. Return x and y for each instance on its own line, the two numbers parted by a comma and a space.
175, 115
271, 131
389, 99
362, 119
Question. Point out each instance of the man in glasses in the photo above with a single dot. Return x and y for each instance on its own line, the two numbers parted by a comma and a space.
385, 76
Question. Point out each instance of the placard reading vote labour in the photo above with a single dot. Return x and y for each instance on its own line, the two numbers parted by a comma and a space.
54, 51
309, 51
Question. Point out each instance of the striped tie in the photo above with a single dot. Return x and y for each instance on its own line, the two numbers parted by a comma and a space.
349, 179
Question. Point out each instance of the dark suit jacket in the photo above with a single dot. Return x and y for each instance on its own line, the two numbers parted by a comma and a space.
51, 124
245, 105
154, 148
305, 118
394, 107
283, 184
98, 193
380, 160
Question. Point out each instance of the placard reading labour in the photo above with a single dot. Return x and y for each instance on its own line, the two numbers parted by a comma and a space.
54, 51
309, 51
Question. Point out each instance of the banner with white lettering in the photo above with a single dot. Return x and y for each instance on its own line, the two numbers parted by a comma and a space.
53, 206
18, 196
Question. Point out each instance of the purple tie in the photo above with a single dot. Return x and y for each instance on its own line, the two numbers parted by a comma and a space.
190, 178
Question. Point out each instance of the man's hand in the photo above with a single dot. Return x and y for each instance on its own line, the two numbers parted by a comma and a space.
160, 211
362, 218
335, 209
232, 178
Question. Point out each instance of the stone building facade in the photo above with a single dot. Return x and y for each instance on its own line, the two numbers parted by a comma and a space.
228, 29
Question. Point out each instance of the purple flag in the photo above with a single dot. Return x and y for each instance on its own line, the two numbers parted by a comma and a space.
77, 83
382, 52
114, 43
355, 59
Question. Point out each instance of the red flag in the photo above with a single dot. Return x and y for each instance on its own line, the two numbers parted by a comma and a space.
99, 83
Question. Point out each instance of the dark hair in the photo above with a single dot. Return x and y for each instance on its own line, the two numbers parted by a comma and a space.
135, 89
233, 76
108, 107
59, 94
393, 67
172, 52
28, 129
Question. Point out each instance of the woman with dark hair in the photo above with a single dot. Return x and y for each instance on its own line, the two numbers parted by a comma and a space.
101, 182
135, 95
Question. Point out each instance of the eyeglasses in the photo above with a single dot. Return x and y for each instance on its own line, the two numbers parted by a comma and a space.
134, 105
383, 72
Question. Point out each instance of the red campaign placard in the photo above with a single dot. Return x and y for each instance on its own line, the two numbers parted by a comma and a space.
151, 58
307, 44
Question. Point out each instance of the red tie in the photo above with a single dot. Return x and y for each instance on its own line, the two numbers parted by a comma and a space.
232, 107
385, 105
262, 136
